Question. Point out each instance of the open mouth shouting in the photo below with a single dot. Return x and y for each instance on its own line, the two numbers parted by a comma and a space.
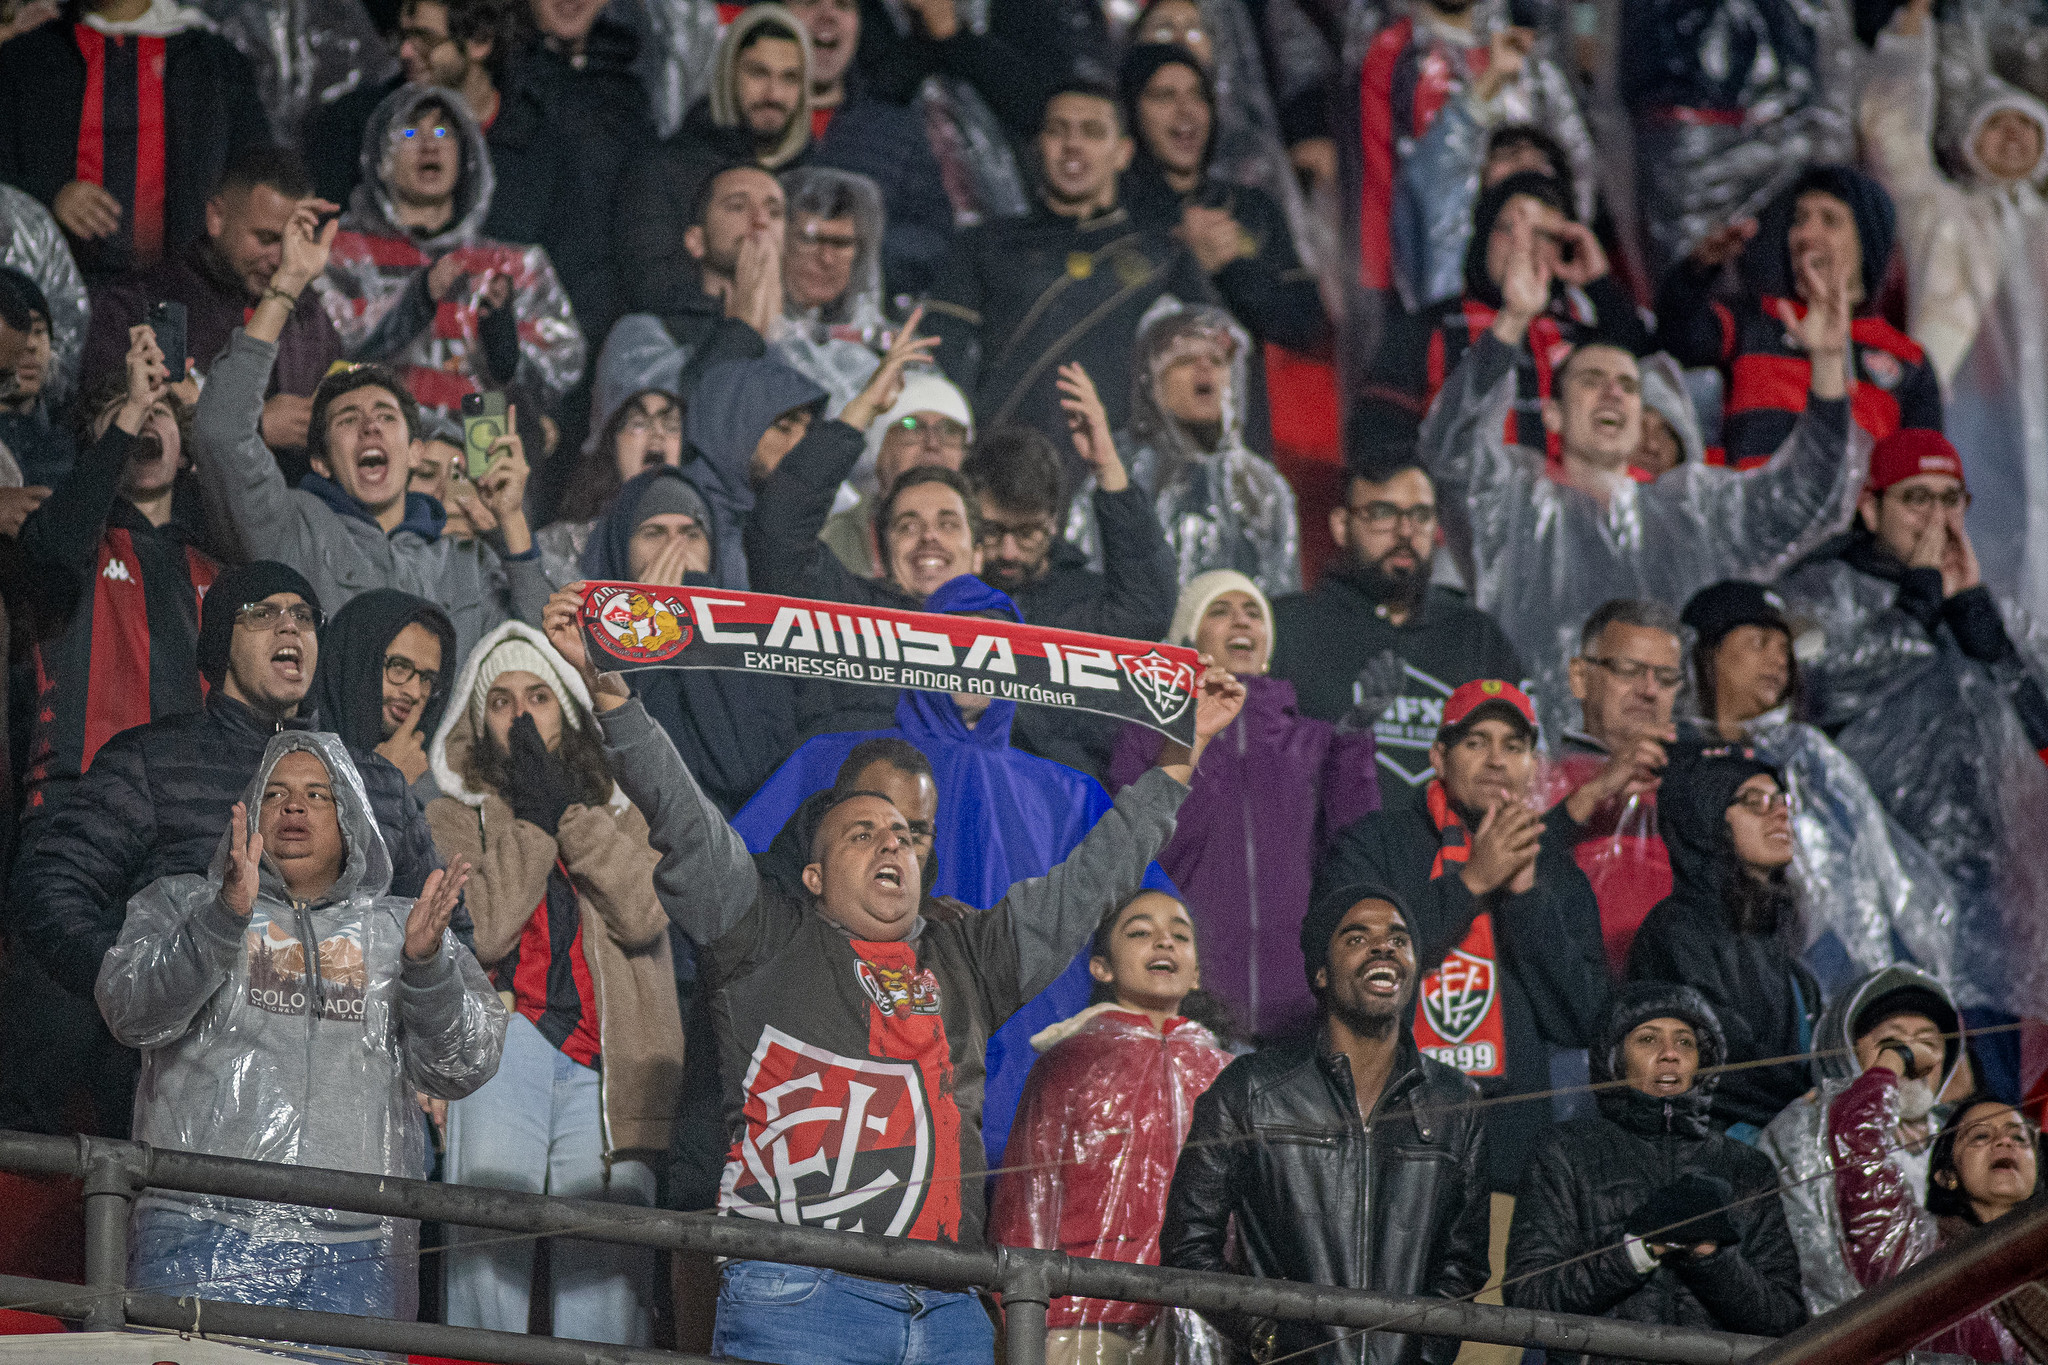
374, 472
1382, 978
287, 662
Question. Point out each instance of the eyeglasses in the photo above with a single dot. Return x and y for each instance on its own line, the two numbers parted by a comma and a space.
1191, 36
939, 431
268, 616
1920, 499
399, 670
835, 244
426, 40
1031, 537
1632, 670
1763, 803
668, 423
1382, 516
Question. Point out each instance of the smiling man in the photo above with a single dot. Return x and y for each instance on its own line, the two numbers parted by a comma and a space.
1505, 925
845, 989
1659, 1217
1350, 1096
1019, 298
351, 524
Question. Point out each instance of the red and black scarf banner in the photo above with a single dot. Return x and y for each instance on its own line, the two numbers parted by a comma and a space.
630, 626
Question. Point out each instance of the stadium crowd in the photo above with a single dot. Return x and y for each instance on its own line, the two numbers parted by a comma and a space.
1597, 452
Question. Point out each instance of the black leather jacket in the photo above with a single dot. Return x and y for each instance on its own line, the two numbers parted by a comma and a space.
1398, 1203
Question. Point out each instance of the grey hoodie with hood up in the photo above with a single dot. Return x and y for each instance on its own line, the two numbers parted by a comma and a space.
301, 1034
1798, 1138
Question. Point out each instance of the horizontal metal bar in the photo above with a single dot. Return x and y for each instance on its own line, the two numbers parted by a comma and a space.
893, 1259
215, 1318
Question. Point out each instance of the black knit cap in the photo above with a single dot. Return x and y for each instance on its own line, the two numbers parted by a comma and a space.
234, 589
1766, 264
1326, 910
20, 299
1907, 1000
1719, 608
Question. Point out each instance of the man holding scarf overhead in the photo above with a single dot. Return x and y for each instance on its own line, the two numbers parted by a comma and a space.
1506, 928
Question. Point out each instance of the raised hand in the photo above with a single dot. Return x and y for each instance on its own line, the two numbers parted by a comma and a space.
1219, 696
306, 245
147, 376
561, 620
443, 276
756, 294
1580, 257
1088, 422
245, 864
1723, 244
406, 750
1213, 237
1823, 333
1504, 850
1509, 49
886, 383
1959, 571
1525, 283
432, 911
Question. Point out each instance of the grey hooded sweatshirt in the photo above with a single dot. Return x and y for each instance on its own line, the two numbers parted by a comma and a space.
300, 1034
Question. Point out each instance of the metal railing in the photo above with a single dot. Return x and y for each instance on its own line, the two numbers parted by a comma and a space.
116, 1172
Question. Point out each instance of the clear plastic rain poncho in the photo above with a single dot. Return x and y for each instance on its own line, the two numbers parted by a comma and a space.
980, 171
678, 54
306, 52
1869, 893
1976, 252
298, 1036
31, 242
833, 344
1731, 100
1540, 556
1936, 734
1221, 507
1797, 1140
1091, 1155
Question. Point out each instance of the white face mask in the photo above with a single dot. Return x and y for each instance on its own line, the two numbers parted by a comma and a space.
1916, 1099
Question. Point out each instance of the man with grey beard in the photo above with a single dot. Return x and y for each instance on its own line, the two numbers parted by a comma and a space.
1898, 1008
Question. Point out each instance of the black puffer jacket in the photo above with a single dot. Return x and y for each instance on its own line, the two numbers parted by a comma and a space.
1397, 1204
155, 802
1587, 1177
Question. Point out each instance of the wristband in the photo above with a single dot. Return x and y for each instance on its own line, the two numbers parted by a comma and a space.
289, 300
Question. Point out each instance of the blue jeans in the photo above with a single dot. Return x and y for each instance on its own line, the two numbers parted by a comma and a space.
178, 1255
794, 1315
536, 1126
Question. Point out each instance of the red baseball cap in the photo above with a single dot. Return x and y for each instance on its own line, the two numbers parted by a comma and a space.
1482, 692
1910, 451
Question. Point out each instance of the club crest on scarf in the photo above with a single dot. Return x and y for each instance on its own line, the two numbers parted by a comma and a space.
1163, 684
1457, 995
639, 624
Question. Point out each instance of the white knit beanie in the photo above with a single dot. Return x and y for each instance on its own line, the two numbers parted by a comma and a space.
1205, 588
521, 653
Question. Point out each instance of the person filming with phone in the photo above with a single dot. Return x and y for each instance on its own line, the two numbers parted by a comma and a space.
351, 525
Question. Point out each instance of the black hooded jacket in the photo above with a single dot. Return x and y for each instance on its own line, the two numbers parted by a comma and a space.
732, 729
1588, 1177
1766, 999
1894, 384
348, 684
1553, 969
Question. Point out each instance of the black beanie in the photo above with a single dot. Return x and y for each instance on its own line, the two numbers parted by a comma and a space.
1906, 1000
1326, 910
234, 589
1766, 264
21, 299
1536, 185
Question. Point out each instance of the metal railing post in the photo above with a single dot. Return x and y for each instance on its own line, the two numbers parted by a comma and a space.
110, 1184
1027, 1289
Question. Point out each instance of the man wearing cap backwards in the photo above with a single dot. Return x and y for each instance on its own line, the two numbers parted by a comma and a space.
156, 798
1506, 928
1542, 543
1888, 1008
1380, 1180
851, 1027
1919, 680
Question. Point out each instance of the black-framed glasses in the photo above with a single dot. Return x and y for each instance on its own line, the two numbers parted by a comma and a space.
1633, 670
399, 670
1031, 536
268, 615
1762, 802
1920, 499
668, 423
1384, 516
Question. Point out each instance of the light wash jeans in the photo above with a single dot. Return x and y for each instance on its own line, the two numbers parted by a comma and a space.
535, 1126
795, 1315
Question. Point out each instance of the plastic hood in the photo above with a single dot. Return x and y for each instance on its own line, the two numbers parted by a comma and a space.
367, 871
372, 206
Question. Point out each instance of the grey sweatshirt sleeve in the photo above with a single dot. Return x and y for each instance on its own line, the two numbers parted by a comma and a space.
706, 877
1050, 917
451, 1021
243, 488
177, 947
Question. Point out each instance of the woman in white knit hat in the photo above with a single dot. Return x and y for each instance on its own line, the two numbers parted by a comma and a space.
1271, 791
569, 929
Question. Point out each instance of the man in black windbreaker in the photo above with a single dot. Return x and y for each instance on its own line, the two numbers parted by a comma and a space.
1507, 930
1345, 1158
157, 796
1644, 1212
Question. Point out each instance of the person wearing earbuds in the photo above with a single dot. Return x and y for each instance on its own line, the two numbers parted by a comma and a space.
1644, 1211
844, 993
1507, 931
1938, 691
1986, 1163
573, 938
1726, 820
